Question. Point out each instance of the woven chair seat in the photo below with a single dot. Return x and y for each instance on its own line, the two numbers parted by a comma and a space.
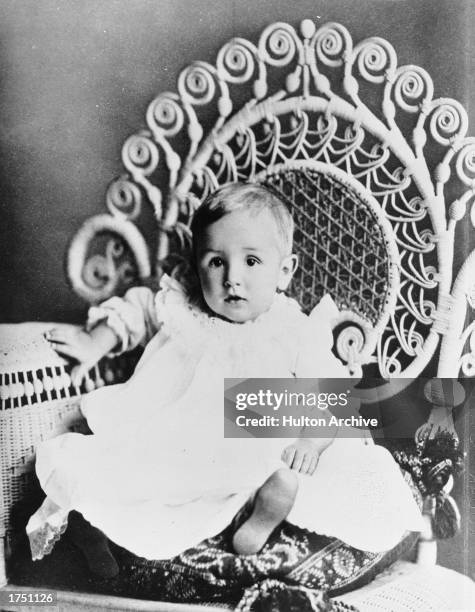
407, 587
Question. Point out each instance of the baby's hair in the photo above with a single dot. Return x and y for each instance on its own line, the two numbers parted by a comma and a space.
247, 196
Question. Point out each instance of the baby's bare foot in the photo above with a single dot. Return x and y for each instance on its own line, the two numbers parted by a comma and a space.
273, 502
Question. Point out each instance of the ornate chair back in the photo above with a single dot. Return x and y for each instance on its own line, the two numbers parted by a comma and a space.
362, 153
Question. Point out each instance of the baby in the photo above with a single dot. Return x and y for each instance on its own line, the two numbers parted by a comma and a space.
157, 476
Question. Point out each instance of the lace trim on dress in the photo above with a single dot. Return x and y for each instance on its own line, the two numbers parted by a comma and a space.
45, 528
42, 541
181, 318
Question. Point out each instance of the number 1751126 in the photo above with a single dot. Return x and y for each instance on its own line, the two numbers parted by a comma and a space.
28, 598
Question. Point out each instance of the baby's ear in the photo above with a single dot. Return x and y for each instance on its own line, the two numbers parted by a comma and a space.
287, 269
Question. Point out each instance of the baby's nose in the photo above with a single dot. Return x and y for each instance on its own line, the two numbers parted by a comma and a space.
232, 277
230, 284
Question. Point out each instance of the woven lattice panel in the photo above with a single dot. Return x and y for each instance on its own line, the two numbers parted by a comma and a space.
339, 243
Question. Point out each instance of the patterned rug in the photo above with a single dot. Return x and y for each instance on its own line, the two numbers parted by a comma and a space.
295, 570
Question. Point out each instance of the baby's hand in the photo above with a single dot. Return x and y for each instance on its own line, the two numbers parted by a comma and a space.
301, 456
79, 345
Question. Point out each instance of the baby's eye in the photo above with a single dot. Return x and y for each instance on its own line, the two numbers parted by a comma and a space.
215, 262
252, 261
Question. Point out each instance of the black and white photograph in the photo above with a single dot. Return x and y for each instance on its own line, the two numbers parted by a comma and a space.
237, 315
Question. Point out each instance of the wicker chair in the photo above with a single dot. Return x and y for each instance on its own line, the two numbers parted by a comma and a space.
378, 173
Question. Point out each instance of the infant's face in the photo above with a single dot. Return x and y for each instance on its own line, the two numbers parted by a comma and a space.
240, 265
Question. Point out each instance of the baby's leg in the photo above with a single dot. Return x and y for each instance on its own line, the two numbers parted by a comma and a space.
93, 544
272, 504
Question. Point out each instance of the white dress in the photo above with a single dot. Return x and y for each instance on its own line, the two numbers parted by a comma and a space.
158, 476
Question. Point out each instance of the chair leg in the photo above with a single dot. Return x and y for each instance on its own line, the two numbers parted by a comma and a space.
427, 546
3, 567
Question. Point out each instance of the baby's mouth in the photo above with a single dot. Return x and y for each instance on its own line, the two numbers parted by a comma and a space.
234, 299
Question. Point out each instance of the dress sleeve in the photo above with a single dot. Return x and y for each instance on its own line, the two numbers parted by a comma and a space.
133, 318
314, 352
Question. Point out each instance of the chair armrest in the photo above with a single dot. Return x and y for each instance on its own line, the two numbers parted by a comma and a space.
37, 402
32, 372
